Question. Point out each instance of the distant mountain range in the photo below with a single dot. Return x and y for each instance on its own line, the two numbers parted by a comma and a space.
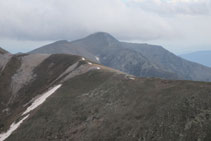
202, 57
65, 97
141, 60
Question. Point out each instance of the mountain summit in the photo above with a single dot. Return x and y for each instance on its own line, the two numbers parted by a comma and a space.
141, 60
103, 36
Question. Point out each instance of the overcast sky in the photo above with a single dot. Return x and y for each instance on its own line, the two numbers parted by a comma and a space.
179, 25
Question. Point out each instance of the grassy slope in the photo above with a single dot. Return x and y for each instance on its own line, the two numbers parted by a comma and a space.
102, 105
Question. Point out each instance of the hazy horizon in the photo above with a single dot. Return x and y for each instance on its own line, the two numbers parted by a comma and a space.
180, 26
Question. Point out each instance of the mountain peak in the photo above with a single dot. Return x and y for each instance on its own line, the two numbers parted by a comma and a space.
102, 35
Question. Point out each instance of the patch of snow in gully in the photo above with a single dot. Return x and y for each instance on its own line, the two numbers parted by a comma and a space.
34, 105
12, 128
83, 59
132, 78
98, 68
41, 99
89, 63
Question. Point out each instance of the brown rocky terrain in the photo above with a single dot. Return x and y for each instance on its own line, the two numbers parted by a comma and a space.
94, 102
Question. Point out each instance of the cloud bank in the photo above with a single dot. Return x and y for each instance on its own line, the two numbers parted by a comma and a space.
144, 20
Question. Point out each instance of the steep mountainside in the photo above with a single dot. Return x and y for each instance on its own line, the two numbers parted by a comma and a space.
170, 62
4, 58
24, 77
202, 57
137, 59
90, 102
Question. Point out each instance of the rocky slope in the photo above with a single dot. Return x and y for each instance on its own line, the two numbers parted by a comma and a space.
2, 51
141, 60
86, 101
24, 77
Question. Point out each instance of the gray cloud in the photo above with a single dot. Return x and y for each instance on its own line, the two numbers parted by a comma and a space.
143, 20
173, 7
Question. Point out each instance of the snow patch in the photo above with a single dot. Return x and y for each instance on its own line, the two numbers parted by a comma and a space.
94, 68
83, 59
132, 78
12, 128
41, 99
89, 63
34, 105
97, 58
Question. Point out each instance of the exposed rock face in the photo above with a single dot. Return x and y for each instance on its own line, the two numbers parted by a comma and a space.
137, 59
4, 59
25, 73
94, 102
26, 76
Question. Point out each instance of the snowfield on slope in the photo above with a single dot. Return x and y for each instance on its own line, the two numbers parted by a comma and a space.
41, 99
12, 128
37, 102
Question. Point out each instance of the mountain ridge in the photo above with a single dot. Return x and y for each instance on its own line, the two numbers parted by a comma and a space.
142, 60
94, 102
